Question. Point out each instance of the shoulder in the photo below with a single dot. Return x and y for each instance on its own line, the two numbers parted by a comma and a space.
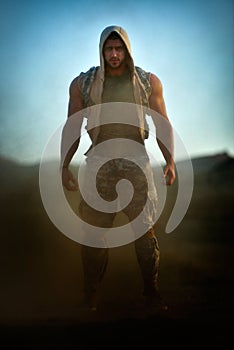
83, 77
155, 83
143, 74
144, 77
80, 86
74, 88
150, 81
151, 77
84, 82
74, 84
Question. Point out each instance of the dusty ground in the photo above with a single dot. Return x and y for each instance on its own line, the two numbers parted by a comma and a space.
41, 277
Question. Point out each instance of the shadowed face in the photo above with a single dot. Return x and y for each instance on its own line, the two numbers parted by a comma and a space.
114, 52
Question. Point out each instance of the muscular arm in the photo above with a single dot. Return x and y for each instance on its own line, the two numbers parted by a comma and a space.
71, 130
163, 128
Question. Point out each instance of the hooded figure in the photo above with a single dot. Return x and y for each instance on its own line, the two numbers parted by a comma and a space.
132, 89
91, 85
90, 93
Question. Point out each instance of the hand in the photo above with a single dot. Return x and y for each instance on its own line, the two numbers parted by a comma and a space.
169, 174
68, 180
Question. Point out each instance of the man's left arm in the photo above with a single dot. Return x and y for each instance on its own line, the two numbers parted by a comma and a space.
164, 129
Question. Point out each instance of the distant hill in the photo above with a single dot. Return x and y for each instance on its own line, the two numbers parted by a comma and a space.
20, 173
217, 169
210, 163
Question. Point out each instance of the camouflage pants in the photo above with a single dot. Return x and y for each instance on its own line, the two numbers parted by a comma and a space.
95, 262
147, 251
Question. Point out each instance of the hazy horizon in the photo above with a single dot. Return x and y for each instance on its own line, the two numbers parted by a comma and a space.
188, 45
75, 162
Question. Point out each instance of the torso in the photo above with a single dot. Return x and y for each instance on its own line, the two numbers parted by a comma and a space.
118, 89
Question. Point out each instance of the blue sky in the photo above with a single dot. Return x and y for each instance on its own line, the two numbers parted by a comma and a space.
187, 44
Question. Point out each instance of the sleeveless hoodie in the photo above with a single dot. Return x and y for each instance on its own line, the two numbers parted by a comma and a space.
91, 85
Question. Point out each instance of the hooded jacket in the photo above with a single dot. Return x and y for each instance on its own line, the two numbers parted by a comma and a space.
91, 83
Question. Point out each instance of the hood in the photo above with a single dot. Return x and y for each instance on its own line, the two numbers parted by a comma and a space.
123, 35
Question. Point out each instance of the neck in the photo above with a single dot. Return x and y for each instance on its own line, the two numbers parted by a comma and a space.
116, 72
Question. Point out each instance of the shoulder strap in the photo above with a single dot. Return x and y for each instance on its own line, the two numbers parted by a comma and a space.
145, 80
85, 81
146, 87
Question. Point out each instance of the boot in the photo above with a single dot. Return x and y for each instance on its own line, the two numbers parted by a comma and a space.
154, 302
91, 300
147, 251
94, 266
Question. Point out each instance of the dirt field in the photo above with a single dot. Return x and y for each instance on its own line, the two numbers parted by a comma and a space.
41, 299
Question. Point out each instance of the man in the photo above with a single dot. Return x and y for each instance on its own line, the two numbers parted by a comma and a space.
118, 80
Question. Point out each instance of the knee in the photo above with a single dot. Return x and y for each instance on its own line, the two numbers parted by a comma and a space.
148, 242
149, 234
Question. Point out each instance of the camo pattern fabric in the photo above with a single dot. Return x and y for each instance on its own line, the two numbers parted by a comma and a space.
85, 81
107, 177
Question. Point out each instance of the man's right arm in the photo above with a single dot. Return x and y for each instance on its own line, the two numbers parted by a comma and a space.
70, 135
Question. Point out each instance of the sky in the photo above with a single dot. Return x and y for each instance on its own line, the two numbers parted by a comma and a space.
45, 44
